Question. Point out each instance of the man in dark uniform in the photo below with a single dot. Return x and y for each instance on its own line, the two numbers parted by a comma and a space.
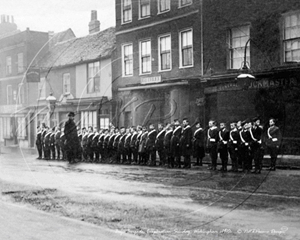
47, 144
84, 143
52, 143
150, 145
167, 146
94, 145
39, 143
100, 144
133, 147
137, 143
240, 160
57, 144
62, 140
212, 143
245, 146
79, 152
72, 141
43, 134
223, 147
233, 145
105, 155
175, 143
256, 144
159, 144
198, 144
127, 147
142, 146
112, 148
273, 142
186, 143
89, 147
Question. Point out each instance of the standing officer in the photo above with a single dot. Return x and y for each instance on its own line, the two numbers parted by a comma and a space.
142, 146
186, 143
127, 147
84, 143
52, 143
39, 143
273, 142
137, 143
100, 144
198, 144
245, 146
62, 146
233, 146
133, 147
212, 143
175, 143
120, 147
94, 145
167, 146
57, 139
256, 144
159, 144
43, 134
150, 145
222, 144
47, 144
72, 141
89, 148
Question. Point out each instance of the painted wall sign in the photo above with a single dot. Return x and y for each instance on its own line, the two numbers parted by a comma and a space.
149, 80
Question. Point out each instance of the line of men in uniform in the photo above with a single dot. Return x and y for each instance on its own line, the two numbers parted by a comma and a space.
244, 142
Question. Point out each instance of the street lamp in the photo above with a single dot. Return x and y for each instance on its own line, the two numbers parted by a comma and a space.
51, 100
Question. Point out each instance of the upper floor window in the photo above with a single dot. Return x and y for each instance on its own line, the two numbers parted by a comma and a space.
163, 6
93, 84
165, 53
145, 57
144, 8
186, 48
127, 60
8, 65
20, 63
42, 88
291, 38
238, 38
66, 83
9, 94
126, 11
183, 3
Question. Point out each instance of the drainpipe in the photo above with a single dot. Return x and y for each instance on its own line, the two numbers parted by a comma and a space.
201, 36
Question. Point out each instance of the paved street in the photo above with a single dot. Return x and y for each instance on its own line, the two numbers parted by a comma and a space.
206, 199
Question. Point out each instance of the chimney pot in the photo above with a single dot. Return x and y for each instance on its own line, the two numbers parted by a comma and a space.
94, 24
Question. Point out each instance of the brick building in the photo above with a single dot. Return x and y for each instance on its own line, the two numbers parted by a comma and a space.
157, 61
18, 50
272, 57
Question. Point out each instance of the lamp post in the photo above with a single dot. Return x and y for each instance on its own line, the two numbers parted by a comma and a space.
51, 100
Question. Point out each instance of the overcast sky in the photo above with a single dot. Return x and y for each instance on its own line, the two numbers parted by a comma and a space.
59, 15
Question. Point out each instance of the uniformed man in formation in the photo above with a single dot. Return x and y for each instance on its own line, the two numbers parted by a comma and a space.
170, 145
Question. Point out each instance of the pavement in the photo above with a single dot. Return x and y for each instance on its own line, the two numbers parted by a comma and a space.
21, 223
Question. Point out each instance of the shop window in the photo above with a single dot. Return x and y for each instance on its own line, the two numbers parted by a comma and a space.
165, 53
104, 122
127, 59
186, 48
126, 11
88, 118
238, 38
291, 37
145, 57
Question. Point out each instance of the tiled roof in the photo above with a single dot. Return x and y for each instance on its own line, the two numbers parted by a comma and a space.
77, 50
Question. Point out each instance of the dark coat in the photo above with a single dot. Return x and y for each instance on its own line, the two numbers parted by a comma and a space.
150, 141
198, 143
70, 131
212, 137
159, 142
167, 141
274, 137
38, 140
186, 141
175, 142
223, 138
57, 137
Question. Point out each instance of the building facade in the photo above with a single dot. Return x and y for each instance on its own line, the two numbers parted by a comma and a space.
18, 52
267, 35
157, 61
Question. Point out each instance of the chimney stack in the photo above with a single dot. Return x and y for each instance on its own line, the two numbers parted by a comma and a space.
94, 24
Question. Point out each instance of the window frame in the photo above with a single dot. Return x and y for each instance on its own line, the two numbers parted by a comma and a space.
181, 48
159, 11
124, 74
291, 39
159, 53
141, 56
95, 66
8, 66
140, 9
20, 62
123, 10
231, 49
64, 78
180, 5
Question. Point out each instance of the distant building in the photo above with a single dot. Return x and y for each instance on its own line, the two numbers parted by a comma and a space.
78, 73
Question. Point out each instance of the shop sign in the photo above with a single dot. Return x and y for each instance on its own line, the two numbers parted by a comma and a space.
149, 80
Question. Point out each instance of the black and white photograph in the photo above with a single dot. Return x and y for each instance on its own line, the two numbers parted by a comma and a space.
149, 119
